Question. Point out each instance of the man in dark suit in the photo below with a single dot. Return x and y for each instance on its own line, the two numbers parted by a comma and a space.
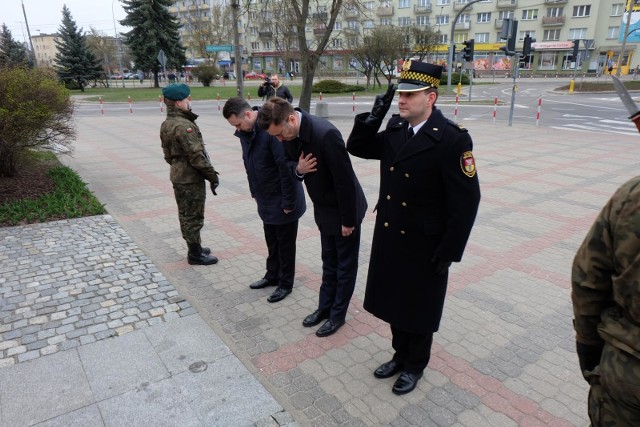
279, 196
318, 156
429, 196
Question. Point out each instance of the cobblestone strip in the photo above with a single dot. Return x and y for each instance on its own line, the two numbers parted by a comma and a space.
68, 283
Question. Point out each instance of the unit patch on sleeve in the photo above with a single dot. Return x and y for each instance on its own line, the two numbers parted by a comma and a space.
468, 164
189, 130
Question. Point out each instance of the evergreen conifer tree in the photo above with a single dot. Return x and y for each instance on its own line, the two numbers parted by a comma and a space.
12, 52
153, 29
74, 61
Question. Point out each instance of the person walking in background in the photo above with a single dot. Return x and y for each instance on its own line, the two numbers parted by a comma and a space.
184, 150
317, 155
279, 196
605, 291
272, 86
428, 200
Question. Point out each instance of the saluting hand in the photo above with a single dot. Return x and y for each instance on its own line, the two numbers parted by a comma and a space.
306, 164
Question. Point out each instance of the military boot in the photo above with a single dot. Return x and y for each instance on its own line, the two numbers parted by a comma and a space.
197, 255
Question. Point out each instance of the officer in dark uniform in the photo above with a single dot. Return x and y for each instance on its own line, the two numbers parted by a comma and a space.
184, 150
429, 196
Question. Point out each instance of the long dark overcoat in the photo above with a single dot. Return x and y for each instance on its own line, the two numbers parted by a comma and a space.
428, 200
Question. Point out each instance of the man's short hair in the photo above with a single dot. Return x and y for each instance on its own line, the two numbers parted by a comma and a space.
275, 111
235, 107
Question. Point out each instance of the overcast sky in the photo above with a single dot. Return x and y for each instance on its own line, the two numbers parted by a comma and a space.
45, 16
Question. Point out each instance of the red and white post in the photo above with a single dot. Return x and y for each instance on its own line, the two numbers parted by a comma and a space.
353, 97
101, 108
130, 105
538, 113
161, 103
495, 108
218, 101
455, 111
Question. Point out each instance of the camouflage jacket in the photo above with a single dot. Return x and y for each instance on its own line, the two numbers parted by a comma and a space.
606, 275
184, 148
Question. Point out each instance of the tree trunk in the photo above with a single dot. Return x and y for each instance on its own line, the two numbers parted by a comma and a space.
7, 161
309, 66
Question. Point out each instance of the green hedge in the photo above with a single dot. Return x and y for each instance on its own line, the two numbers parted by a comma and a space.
334, 86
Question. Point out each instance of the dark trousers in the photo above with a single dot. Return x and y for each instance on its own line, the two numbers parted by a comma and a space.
190, 199
281, 261
412, 350
339, 272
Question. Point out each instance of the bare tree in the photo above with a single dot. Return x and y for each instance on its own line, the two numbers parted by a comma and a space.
380, 50
207, 26
423, 42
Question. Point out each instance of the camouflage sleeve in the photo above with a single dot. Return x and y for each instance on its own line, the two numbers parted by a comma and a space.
165, 141
193, 147
594, 268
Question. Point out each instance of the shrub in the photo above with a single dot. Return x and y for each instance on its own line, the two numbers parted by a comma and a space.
206, 73
455, 78
334, 86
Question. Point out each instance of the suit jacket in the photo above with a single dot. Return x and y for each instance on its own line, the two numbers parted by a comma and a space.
270, 180
336, 193
428, 200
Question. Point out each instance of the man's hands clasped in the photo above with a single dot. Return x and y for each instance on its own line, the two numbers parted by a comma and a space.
214, 184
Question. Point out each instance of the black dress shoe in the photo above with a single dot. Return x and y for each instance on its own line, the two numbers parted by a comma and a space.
262, 283
314, 318
206, 250
406, 382
279, 294
329, 327
388, 369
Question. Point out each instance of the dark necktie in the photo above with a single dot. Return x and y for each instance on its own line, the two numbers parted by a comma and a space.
410, 133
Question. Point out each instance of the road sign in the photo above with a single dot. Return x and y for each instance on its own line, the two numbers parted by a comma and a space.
162, 58
219, 48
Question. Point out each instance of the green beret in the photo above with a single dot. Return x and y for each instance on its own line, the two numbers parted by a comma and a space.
176, 91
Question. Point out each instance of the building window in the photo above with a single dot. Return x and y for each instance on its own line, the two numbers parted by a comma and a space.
442, 19
255, 45
443, 38
581, 11
547, 61
465, 17
551, 35
523, 34
613, 32
529, 14
484, 17
368, 24
404, 21
617, 9
422, 21
577, 33
458, 38
443, 2
336, 43
385, 21
337, 26
555, 12
506, 14
403, 4
481, 37
267, 45
369, 5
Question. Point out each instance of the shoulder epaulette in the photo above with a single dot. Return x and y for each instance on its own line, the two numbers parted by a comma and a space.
457, 126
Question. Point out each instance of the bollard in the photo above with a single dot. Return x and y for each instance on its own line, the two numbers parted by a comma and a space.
320, 96
538, 114
101, 108
218, 101
495, 108
322, 109
160, 101
353, 95
455, 111
249, 98
130, 106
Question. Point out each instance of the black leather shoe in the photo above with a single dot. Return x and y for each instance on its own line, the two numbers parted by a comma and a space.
406, 382
329, 327
279, 294
201, 258
314, 318
262, 283
388, 369
206, 251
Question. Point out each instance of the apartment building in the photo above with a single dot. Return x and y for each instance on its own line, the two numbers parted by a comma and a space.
45, 49
600, 25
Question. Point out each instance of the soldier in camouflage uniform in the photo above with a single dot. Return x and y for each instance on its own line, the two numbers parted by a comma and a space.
606, 305
190, 166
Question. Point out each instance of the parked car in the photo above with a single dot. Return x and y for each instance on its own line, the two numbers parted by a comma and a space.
115, 76
253, 75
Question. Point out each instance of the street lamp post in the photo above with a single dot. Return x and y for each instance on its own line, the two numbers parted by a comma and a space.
235, 8
118, 53
451, 43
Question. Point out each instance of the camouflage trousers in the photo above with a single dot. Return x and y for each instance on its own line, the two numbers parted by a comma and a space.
614, 397
190, 199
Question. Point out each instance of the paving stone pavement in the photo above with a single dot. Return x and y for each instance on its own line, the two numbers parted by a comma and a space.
504, 355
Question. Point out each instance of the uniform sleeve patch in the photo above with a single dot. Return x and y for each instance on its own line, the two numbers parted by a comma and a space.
189, 130
468, 164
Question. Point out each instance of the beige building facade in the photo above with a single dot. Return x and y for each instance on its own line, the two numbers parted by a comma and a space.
45, 49
554, 24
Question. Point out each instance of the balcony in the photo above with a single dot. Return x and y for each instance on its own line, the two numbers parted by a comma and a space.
459, 5
462, 26
549, 21
351, 13
507, 4
267, 34
498, 24
555, 1
351, 31
422, 9
385, 10
319, 31
320, 16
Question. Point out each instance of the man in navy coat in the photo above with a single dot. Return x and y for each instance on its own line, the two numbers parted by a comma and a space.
279, 196
429, 196
318, 157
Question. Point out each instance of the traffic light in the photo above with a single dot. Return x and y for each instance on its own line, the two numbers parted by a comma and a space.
453, 54
467, 51
509, 30
526, 47
574, 55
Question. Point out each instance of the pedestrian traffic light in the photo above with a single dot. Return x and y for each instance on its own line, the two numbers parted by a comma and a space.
453, 49
509, 30
574, 55
467, 51
526, 47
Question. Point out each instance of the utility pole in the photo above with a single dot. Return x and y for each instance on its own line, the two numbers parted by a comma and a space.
33, 52
451, 44
235, 8
118, 52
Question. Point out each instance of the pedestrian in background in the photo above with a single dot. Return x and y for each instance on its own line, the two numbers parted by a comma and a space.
184, 150
428, 200
318, 157
279, 196
272, 86
605, 284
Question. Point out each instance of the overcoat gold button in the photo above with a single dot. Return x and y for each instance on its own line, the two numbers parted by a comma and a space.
406, 175
401, 231
386, 224
404, 204
388, 197
391, 168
